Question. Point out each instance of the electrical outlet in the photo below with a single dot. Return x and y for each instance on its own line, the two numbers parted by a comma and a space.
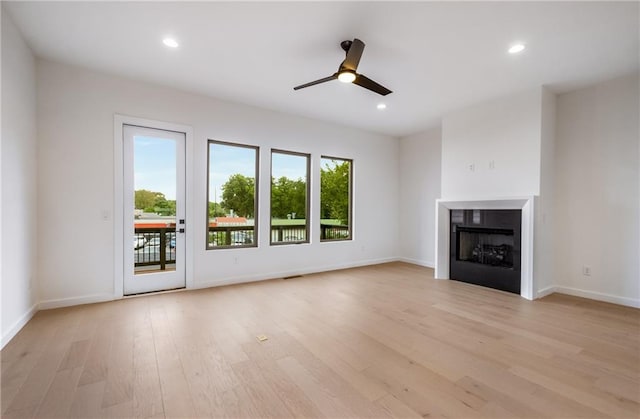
492, 165
472, 167
235, 260
586, 270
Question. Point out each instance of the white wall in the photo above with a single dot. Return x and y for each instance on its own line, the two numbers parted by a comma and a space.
75, 118
19, 168
503, 149
504, 131
420, 156
597, 198
544, 235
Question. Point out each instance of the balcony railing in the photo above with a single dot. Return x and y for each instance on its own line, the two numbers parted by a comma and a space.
230, 235
244, 235
288, 233
156, 246
334, 232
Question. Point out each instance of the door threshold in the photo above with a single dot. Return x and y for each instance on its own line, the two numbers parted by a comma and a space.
142, 294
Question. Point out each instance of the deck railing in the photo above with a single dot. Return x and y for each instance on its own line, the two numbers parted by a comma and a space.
244, 235
334, 232
230, 235
156, 246
288, 233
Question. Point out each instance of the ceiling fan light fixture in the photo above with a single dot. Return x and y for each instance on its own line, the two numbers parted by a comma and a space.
347, 72
347, 76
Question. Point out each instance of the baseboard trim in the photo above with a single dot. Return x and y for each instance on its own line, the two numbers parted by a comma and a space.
75, 301
425, 263
283, 274
18, 325
599, 296
546, 291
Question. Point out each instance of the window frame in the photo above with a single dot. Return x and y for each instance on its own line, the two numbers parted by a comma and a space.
307, 200
350, 189
255, 193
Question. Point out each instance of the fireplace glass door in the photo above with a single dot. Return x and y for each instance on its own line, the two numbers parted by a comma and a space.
486, 246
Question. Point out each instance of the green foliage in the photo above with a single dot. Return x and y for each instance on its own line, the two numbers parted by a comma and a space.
238, 195
146, 199
216, 210
288, 197
165, 207
150, 201
334, 190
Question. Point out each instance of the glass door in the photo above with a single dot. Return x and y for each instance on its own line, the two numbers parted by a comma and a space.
154, 209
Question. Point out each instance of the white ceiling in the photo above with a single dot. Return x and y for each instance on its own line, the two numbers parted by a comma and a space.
435, 56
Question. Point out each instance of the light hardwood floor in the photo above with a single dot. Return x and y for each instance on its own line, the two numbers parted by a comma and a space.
378, 341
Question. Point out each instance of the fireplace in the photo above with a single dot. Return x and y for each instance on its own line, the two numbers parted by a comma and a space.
486, 247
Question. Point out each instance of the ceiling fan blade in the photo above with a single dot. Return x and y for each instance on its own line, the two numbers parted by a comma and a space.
353, 55
313, 83
367, 83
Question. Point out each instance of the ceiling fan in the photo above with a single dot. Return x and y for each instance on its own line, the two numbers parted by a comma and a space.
347, 71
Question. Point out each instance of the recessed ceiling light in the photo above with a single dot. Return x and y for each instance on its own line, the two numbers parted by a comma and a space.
516, 48
381, 106
170, 42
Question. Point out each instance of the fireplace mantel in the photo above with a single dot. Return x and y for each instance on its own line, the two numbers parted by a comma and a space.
443, 219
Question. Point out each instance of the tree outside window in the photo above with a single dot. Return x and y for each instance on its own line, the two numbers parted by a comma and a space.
231, 194
335, 198
289, 197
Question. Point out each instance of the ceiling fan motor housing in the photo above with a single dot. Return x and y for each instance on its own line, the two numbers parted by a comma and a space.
345, 45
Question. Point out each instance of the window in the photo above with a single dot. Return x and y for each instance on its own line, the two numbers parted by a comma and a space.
335, 198
289, 197
232, 201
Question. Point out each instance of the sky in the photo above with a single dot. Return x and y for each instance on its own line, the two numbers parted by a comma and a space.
155, 165
225, 160
288, 165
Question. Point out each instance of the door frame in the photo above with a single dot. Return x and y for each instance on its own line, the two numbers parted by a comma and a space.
118, 212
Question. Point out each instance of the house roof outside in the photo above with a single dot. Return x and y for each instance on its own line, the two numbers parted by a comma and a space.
230, 221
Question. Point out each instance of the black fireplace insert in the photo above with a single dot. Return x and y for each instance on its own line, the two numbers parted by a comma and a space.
485, 248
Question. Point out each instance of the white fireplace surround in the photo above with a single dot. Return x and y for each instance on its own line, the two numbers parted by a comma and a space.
443, 219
